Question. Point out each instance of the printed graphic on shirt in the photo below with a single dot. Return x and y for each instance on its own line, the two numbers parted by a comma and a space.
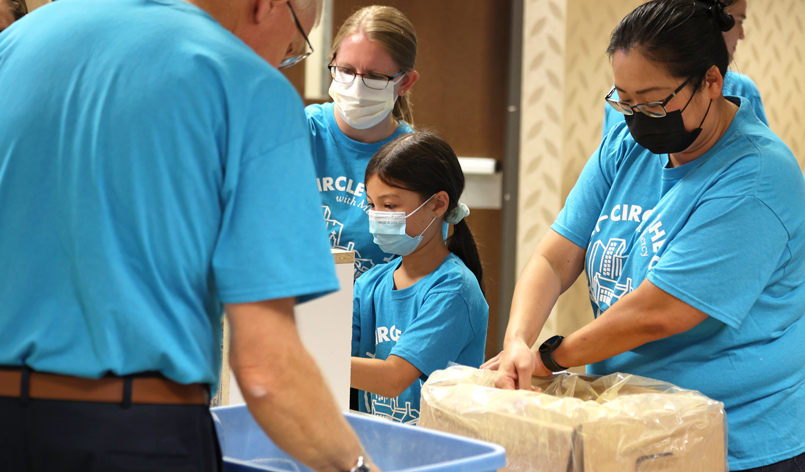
341, 184
391, 409
604, 267
335, 230
401, 409
606, 261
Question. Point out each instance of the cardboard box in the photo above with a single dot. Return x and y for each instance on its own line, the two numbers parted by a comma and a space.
579, 423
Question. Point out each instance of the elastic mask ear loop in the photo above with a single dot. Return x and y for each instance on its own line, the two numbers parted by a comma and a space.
420, 206
686, 105
705, 113
426, 227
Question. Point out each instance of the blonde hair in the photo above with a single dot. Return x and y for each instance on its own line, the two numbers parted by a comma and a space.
388, 27
305, 7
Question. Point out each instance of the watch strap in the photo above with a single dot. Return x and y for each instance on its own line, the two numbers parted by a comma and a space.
546, 354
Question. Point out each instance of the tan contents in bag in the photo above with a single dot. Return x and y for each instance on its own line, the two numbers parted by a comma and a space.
581, 423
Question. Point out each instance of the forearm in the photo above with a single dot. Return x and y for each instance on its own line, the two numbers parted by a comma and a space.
645, 315
555, 264
381, 377
537, 291
287, 395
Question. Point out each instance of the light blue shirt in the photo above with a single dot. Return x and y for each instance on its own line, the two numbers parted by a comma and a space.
725, 234
340, 168
735, 85
152, 166
440, 319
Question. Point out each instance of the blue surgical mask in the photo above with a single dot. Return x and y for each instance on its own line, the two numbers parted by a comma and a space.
388, 229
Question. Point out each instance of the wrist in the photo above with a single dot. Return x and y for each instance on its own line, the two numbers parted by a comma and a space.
515, 339
547, 352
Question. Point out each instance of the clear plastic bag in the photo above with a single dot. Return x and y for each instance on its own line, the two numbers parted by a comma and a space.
579, 423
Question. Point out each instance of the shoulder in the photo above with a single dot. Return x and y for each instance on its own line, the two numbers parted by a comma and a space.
738, 84
403, 128
372, 277
619, 147
317, 117
755, 161
315, 112
453, 279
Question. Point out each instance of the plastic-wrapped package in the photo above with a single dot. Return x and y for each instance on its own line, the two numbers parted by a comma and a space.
579, 423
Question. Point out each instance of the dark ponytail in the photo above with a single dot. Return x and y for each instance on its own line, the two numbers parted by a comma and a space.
682, 35
424, 163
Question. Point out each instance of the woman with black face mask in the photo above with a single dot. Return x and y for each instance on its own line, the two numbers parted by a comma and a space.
689, 220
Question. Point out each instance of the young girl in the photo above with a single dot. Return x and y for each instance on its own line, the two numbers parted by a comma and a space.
372, 69
425, 309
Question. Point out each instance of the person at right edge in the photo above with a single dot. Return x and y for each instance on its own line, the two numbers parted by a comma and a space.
735, 83
154, 165
689, 219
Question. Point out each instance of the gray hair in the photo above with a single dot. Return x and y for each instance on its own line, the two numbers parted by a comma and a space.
307, 7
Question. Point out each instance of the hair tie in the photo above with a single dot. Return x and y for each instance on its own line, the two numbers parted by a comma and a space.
460, 212
716, 9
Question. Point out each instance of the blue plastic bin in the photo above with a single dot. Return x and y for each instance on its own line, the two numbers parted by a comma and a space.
393, 447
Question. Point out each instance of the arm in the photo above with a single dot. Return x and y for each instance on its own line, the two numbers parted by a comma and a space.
645, 315
284, 389
552, 269
387, 378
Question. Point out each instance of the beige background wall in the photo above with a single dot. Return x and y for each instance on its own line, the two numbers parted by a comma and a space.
566, 75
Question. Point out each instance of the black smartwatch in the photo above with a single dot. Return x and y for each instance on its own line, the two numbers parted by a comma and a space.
546, 353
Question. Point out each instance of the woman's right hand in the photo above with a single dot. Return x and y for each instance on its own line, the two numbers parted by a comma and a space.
517, 364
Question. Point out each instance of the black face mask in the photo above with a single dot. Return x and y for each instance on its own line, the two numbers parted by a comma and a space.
666, 135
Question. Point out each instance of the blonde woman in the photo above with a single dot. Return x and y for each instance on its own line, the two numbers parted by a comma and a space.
372, 70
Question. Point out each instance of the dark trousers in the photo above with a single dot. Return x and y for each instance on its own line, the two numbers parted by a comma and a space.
795, 464
70, 436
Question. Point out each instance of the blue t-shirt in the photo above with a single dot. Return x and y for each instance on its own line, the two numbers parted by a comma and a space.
340, 168
735, 85
152, 166
440, 319
725, 234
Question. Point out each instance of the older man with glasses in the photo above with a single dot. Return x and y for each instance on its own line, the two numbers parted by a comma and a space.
154, 165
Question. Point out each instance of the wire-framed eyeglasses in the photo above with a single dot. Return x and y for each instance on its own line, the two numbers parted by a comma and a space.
375, 81
651, 109
292, 61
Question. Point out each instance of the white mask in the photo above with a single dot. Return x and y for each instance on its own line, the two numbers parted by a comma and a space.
360, 106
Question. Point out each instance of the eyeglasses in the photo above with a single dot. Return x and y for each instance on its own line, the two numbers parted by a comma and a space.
342, 75
650, 109
292, 61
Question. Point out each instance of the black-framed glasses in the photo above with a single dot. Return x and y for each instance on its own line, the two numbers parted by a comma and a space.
650, 109
342, 75
292, 61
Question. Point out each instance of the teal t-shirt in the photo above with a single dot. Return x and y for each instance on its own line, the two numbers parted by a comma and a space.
440, 319
340, 168
152, 166
725, 234
735, 85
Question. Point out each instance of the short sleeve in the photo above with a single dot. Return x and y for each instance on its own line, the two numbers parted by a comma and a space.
583, 206
441, 330
723, 258
271, 244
